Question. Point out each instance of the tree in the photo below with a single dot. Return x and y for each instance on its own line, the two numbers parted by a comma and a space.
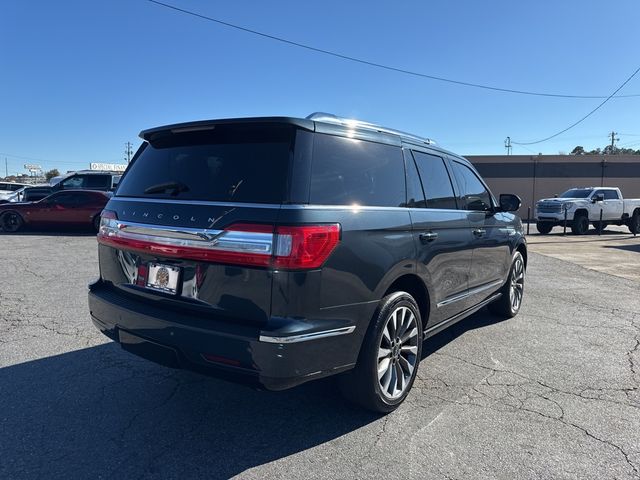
51, 173
579, 150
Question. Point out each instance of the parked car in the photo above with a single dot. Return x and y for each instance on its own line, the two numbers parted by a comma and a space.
15, 196
8, 188
35, 192
583, 207
70, 208
275, 251
88, 179
81, 180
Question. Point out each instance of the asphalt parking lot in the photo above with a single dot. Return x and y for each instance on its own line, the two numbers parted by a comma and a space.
552, 393
615, 251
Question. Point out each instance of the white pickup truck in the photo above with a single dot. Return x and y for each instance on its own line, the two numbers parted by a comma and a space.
583, 206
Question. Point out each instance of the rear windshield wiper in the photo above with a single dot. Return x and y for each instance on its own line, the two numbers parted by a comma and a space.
174, 188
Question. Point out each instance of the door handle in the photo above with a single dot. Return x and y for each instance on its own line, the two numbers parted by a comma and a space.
478, 232
428, 237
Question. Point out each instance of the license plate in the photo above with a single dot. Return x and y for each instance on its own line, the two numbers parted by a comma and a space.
163, 277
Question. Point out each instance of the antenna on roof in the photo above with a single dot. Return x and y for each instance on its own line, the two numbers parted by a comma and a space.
349, 122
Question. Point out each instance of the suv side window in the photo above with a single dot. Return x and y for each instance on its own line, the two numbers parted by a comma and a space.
73, 182
347, 171
97, 181
415, 194
35, 193
473, 191
611, 195
436, 182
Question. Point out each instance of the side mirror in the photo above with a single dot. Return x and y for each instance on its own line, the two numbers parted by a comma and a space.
598, 198
509, 202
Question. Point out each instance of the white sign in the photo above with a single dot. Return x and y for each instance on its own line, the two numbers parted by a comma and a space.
31, 167
112, 167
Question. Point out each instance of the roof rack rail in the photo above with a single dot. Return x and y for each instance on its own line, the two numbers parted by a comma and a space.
348, 122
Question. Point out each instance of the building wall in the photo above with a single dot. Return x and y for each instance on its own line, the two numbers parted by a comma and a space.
533, 177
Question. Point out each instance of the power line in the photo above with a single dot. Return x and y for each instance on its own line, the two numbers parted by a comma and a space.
25, 158
527, 149
64, 162
629, 144
375, 64
583, 118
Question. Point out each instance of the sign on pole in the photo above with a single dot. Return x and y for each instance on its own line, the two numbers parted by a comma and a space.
111, 167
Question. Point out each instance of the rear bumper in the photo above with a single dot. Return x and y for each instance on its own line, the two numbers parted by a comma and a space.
294, 353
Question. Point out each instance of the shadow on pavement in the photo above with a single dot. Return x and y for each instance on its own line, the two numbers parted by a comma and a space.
589, 238
100, 412
629, 248
480, 319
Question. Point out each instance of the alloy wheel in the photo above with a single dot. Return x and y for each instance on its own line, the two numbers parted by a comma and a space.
11, 222
397, 352
517, 284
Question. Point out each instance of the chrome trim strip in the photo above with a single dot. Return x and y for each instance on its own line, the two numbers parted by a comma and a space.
307, 336
459, 316
223, 240
468, 293
195, 234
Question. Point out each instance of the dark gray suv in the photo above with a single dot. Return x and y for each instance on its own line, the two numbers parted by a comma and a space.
275, 251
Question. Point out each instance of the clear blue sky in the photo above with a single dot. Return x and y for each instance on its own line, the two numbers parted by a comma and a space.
80, 78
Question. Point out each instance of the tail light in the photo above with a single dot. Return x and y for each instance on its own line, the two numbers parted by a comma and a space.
106, 218
304, 246
296, 247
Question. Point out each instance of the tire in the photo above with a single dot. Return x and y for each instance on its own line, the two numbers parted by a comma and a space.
634, 223
11, 222
383, 350
508, 305
544, 227
96, 223
580, 225
598, 225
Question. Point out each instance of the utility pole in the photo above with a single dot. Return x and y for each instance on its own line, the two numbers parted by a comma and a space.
128, 151
6, 167
614, 139
507, 145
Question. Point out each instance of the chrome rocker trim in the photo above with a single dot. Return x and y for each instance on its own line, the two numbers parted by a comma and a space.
468, 293
308, 336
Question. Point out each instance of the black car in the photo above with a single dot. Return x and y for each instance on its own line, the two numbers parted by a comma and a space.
89, 180
81, 180
275, 251
33, 194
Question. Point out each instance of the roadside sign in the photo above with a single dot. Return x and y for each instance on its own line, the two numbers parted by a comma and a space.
112, 167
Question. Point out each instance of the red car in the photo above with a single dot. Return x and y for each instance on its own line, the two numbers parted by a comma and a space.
68, 208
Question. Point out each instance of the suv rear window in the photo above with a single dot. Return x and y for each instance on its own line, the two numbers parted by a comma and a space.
230, 163
346, 171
